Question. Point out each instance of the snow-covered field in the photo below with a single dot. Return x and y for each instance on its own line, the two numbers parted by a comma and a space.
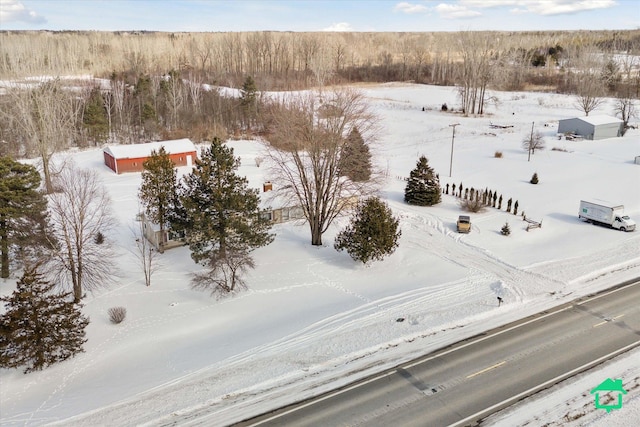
313, 319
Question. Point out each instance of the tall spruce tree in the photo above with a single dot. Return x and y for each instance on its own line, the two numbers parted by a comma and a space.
355, 158
220, 213
249, 100
95, 119
372, 233
423, 186
40, 327
158, 189
23, 211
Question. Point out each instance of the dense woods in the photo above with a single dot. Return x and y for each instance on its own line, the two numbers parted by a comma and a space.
157, 85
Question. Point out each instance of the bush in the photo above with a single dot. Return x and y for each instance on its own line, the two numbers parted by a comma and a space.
372, 234
534, 178
117, 314
472, 205
505, 230
497, 154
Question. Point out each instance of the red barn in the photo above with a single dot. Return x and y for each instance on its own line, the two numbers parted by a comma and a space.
129, 158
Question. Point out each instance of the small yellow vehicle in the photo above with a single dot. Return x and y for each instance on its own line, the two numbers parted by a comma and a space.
464, 224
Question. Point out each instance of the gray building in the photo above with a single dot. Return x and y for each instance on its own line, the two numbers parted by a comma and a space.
592, 127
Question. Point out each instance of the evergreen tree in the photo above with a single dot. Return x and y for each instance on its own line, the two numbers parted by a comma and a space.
355, 158
158, 189
505, 230
39, 327
423, 187
219, 212
95, 118
372, 233
23, 211
534, 178
249, 100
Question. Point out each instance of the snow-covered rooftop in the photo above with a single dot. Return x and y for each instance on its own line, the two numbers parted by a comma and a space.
134, 151
600, 119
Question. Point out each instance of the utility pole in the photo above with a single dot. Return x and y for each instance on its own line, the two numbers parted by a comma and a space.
530, 142
452, 139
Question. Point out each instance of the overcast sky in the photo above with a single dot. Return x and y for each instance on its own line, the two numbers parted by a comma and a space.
319, 15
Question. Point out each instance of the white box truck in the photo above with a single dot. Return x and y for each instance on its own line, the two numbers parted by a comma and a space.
605, 213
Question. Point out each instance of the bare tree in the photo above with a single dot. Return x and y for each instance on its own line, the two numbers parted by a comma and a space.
475, 72
533, 142
589, 94
625, 108
225, 273
145, 253
81, 220
46, 115
590, 88
307, 137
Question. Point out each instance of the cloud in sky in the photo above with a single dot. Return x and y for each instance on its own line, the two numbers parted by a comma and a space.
405, 7
454, 11
467, 8
14, 11
340, 26
543, 7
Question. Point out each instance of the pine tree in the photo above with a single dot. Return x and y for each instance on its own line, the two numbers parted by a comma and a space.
95, 118
23, 211
249, 99
355, 158
505, 230
158, 189
423, 186
39, 327
219, 212
534, 178
372, 233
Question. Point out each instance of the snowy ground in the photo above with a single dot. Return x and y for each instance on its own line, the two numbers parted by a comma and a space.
313, 319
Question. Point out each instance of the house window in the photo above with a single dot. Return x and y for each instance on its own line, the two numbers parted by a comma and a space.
267, 215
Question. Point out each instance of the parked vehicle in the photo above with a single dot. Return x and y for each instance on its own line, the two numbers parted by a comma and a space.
606, 214
464, 224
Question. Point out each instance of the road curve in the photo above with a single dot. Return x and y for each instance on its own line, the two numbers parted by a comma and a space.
465, 382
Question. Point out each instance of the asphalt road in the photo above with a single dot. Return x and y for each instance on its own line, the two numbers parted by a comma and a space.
462, 384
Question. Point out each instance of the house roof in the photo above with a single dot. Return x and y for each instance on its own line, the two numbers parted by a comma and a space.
598, 119
136, 151
610, 385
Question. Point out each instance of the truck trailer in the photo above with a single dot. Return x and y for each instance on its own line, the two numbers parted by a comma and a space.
605, 213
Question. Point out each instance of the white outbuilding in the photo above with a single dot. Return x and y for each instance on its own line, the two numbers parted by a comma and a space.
592, 127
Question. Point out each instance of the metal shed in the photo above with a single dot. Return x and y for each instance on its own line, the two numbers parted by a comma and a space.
592, 127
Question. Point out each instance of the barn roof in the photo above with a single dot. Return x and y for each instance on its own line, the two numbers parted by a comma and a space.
135, 151
599, 119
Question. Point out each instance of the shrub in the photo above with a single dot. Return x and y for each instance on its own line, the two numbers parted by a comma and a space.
372, 233
471, 205
117, 314
497, 154
505, 230
534, 178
